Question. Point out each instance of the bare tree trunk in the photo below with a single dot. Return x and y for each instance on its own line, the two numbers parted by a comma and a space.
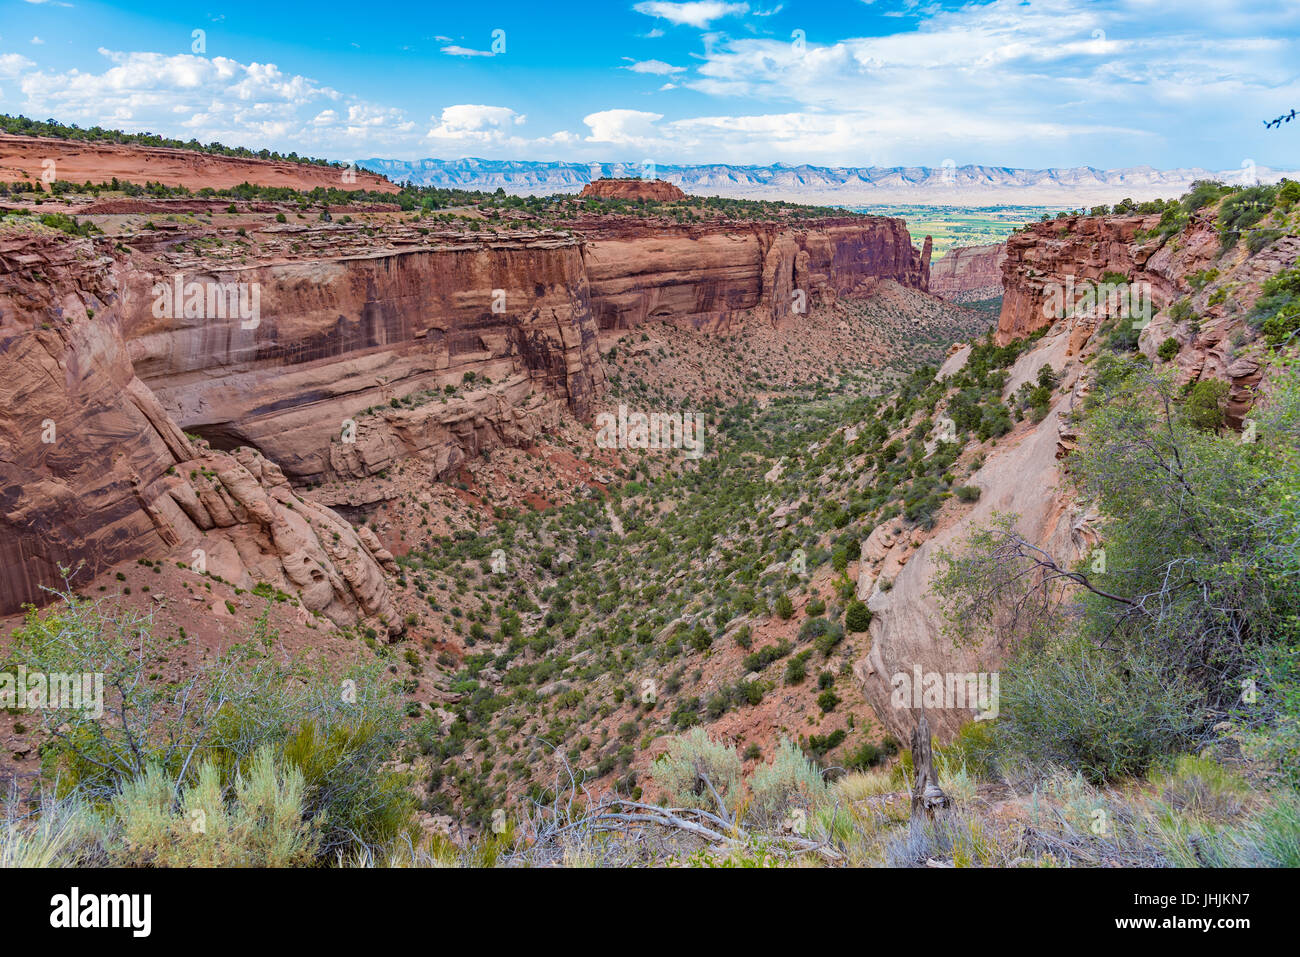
926, 793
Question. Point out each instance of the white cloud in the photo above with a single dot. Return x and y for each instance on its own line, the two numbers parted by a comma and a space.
455, 50
473, 126
1052, 82
655, 68
255, 104
1068, 81
560, 138
622, 127
37, 41
11, 64
699, 13
469, 118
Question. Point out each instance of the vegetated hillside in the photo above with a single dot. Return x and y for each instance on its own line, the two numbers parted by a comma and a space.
629, 618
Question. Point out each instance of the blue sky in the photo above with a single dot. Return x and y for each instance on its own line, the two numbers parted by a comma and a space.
1105, 83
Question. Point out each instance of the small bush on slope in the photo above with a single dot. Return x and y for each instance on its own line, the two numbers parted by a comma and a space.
676, 771
788, 782
260, 824
224, 714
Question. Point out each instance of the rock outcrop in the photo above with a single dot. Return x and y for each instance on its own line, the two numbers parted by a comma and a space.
706, 276
968, 273
633, 189
505, 324
237, 517
94, 471
1046, 261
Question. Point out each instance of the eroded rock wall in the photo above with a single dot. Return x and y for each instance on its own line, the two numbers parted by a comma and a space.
1042, 258
705, 276
968, 273
507, 325
93, 470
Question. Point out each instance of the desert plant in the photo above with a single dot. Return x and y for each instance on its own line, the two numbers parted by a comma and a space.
678, 771
787, 782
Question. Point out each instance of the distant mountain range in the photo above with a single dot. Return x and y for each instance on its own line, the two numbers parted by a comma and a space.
838, 185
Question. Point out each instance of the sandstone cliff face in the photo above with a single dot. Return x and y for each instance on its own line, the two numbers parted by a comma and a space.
969, 273
703, 276
633, 189
1024, 474
1042, 258
338, 337
93, 470
82, 443
898, 562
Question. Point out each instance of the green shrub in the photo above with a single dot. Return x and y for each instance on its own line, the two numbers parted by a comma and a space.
1202, 787
1104, 714
1204, 405
784, 607
857, 618
676, 771
260, 822
1242, 210
787, 782
868, 755
1288, 195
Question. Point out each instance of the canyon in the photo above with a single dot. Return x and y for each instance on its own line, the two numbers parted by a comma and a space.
1026, 475
375, 419
368, 347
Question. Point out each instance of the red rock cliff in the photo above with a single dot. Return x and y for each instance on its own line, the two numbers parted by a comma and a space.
79, 161
1043, 257
94, 471
968, 273
656, 189
505, 322
704, 275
